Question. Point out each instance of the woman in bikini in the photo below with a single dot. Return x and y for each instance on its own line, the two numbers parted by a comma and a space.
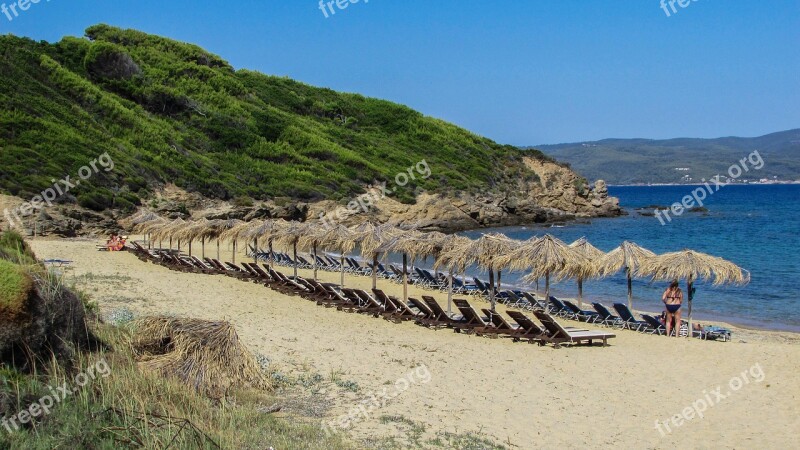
673, 298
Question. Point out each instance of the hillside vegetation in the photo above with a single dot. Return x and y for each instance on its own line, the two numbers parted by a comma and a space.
622, 161
170, 112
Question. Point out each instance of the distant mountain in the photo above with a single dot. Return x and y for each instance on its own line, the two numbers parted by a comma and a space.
630, 161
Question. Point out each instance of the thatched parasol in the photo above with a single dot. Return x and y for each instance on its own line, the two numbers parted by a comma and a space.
143, 216
693, 266
310, 242
289, 234
141, 223
375, 240
421, 245
194, 230
169, 231
592, 255
338, 238
232, 231
628, 256
547, 257
484, 252
263, 230
220, 227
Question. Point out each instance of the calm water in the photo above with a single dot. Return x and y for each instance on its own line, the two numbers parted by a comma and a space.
754, 226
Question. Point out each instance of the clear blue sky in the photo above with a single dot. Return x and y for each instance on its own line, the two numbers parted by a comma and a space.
521, 72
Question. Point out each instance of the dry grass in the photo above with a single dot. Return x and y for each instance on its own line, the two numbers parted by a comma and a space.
206, 355
130, 408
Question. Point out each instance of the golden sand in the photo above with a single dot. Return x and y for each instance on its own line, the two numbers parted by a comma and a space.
519, 394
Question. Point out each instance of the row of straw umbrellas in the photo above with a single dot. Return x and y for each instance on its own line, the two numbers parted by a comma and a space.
543, 257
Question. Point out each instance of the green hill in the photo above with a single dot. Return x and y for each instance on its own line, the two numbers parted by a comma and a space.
170, 112
622, 161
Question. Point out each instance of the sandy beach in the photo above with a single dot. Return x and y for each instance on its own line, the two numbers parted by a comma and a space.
520, 395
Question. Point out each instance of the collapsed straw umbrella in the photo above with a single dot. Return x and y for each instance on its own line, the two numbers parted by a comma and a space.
693, 266
628, 256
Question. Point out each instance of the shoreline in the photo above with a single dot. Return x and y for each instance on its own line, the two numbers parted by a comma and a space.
790, 183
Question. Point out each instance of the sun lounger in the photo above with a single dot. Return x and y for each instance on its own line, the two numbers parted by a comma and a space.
501, 325
528, 328
472, 322
605, 316
558, 308
557, 334
534, 302
654, 325
426, 316
339, 300
580, 314
440, 317
401, 310
628, 320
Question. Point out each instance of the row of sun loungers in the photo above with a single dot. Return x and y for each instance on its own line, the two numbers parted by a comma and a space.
600, 315
426, 312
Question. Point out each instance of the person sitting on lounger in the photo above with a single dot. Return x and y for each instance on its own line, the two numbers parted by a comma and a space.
112, 242
673, 299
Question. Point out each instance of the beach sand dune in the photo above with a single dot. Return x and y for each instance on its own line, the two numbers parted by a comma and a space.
521, 395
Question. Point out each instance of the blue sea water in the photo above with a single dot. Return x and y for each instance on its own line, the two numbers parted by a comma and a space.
755, 226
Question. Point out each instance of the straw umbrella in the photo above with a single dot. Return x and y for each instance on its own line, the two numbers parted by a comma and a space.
219, 227
151, 226
693, 266
169, 230
141, 217
310, 242
289, 235
266, 229
547, 257
338, 238
628, 256
233, 231
592, 255
193, 231
483, 252
375, 240
418, 244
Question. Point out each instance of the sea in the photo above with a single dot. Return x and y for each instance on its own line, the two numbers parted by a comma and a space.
754, 226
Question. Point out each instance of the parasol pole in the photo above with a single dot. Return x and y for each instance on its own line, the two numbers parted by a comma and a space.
630, 288
315, 260
689, 287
